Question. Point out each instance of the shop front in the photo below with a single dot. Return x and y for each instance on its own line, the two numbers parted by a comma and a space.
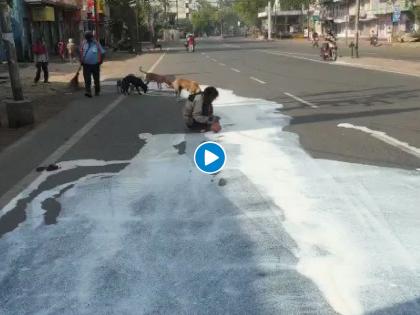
53, 21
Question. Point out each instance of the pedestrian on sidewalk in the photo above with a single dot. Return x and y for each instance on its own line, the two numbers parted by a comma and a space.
40, 52
198, 111
62, 49
389, 33
71, 50
91, 58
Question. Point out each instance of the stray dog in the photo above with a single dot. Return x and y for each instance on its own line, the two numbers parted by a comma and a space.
184, 84
131, 80
159, 79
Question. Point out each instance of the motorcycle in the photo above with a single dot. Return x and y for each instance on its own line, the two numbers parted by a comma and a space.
374, 41
189, 47
329, 51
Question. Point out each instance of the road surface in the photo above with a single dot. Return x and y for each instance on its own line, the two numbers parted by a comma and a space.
315, 212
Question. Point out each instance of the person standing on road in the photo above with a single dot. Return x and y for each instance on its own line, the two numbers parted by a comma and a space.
198, 110
41, 60
91, 58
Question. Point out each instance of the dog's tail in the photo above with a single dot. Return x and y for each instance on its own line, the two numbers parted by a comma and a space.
141, 70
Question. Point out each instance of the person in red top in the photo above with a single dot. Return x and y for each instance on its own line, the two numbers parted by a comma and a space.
191, 42
41, 60
61, 49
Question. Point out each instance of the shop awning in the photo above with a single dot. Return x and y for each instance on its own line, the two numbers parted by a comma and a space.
71, 4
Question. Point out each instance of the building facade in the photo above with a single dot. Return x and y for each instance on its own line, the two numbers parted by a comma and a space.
53, 21
377, 16
381, 17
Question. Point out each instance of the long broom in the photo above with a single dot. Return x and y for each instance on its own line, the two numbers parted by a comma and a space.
74, 82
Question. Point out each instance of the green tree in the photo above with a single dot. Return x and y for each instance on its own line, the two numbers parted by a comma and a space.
205, 18
248, 10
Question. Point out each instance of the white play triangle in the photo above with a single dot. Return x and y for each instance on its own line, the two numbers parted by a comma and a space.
209, 157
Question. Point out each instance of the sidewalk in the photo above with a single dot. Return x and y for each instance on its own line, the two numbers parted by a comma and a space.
50, 99
411, 68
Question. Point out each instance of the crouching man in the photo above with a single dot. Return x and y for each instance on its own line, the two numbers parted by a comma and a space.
198, 111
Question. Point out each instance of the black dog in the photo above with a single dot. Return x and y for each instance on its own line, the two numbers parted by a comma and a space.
131, 80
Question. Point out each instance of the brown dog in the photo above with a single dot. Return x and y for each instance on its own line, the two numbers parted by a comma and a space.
158, 78
184, 84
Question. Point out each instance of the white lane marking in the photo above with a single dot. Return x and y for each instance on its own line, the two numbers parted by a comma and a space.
297, 53
258, 80
231, 46
222, 64
380, 135
234, 69
340, 63
301, 100
212, 59
207, 56
277, 53
203, 53
66, 146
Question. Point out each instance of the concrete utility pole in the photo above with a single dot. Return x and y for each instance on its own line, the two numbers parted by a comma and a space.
19, 111
269, 20
9, 44
356, 28
347, 22
96, 15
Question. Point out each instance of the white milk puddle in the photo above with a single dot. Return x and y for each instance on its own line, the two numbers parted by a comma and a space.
356, 227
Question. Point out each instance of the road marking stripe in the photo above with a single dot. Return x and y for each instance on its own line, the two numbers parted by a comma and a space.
212, 59
222, 64
301, 100
294, 56
341, 63
236, 70
66, 146
258, 80
380, 135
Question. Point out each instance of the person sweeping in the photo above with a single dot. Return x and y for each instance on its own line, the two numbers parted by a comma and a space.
91, 58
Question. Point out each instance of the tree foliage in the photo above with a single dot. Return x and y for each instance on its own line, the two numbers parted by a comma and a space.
248, 10
205, 18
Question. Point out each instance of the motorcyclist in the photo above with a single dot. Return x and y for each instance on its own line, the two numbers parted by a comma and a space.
330, 37
191, 42
373, 38
329, 45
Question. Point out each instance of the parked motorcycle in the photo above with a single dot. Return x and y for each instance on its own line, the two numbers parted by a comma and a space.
374, 40
124, 44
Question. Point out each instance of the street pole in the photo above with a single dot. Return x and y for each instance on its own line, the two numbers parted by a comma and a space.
9, 44
137, 21
177, 13
269, 20
347, 22
95, 5
356, 28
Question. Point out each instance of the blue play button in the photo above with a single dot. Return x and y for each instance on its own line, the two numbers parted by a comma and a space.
210, 157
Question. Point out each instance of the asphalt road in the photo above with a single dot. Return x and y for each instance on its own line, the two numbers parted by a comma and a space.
307, 218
